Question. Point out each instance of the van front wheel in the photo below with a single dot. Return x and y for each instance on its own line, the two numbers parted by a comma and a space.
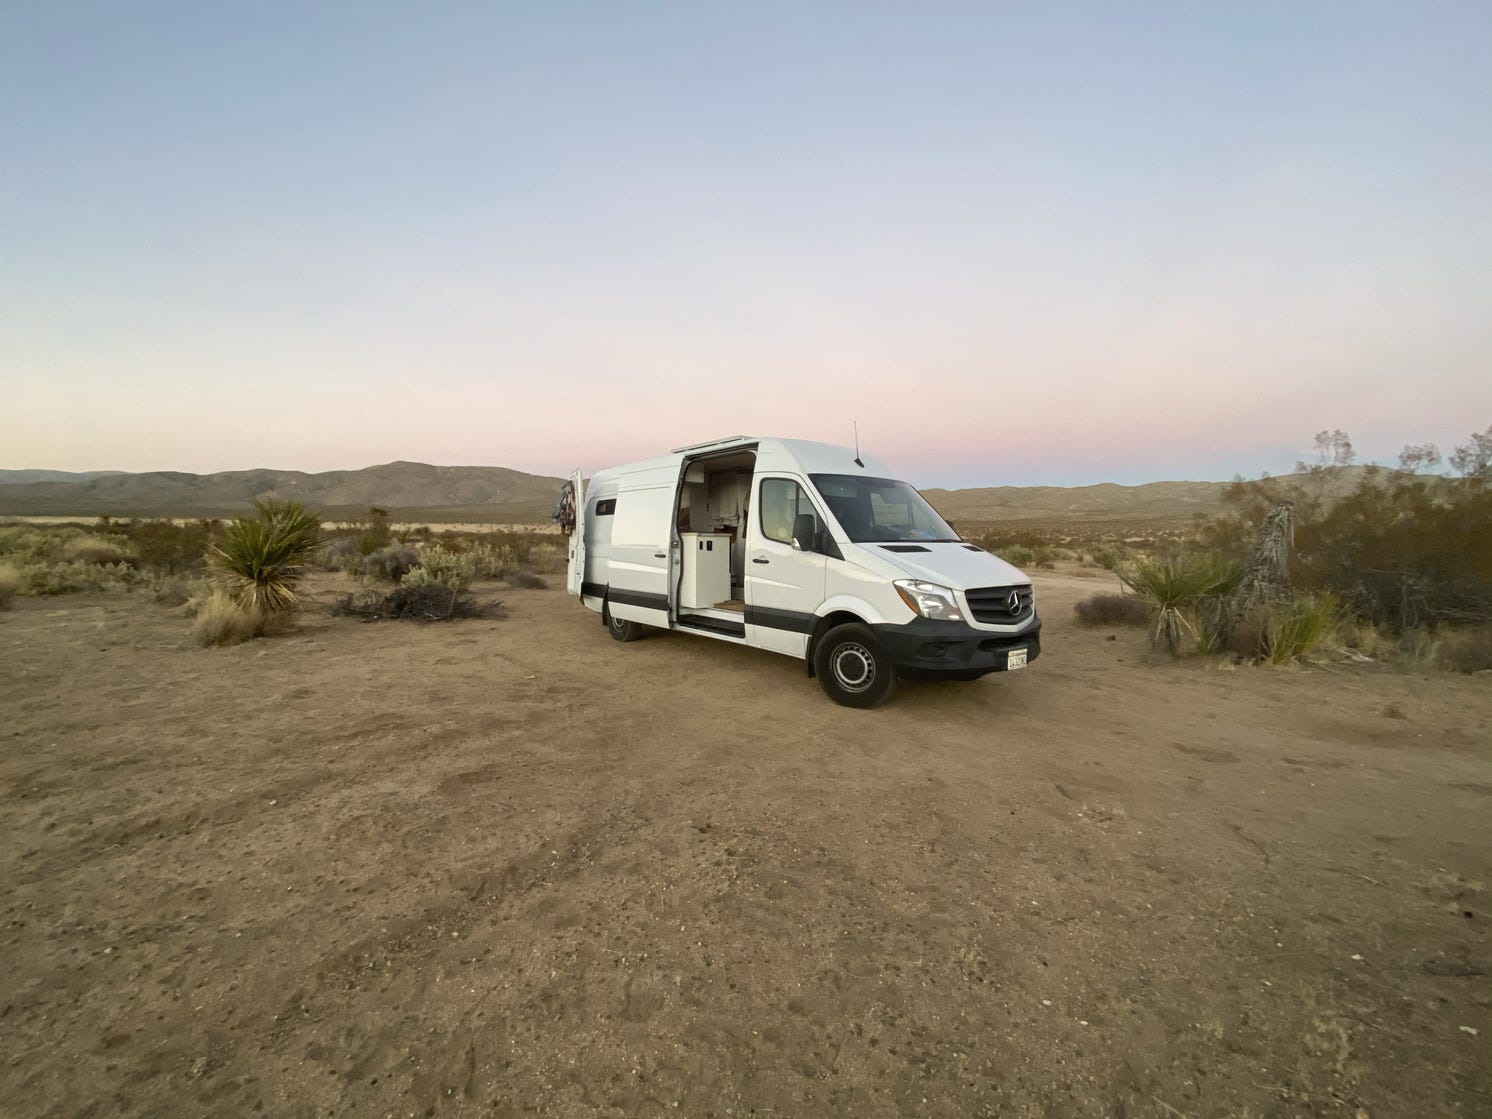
853, 667
620, 629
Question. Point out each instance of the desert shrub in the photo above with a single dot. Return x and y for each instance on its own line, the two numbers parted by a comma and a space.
169, 548
1296, 629
392, 562
1466, 650
260, 559
375, 533
1021, 555
223, 620
1399, 550
172, 592
97, 550
74, 576
1175, 588
1112, 610
438, 566
10, 585
431, 601
343, 554
528, 580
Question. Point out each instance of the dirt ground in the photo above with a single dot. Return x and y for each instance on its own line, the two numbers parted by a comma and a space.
511, 867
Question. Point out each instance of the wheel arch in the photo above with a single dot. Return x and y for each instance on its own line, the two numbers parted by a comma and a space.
824, 624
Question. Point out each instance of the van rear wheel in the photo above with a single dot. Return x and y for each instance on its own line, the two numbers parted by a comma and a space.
853, 667
621, 630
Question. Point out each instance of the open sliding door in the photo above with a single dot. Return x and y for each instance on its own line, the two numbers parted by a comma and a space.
575, 563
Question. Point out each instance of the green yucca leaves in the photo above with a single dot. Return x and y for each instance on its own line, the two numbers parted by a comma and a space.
261, 558
1174, 587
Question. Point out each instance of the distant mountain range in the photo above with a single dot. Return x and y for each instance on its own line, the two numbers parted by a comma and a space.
416, 491
8, 477
492, 493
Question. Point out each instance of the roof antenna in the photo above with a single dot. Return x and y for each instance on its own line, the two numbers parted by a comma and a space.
858, 463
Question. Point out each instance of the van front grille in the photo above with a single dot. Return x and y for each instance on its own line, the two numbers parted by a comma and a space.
992, 605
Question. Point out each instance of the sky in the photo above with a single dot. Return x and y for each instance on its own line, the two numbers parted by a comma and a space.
1017, 244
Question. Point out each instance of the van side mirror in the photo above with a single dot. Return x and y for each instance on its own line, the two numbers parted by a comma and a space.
805, 532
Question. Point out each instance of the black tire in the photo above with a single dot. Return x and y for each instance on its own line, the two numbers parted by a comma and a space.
853, 666
621, 630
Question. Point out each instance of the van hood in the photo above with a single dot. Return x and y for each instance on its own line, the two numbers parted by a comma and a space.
951, 565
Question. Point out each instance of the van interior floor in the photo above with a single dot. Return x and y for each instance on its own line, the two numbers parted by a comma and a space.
734, 604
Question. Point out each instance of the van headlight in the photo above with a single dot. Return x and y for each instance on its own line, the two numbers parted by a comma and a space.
929, 600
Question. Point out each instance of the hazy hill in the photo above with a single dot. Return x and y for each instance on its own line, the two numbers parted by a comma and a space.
494, 491
416, 491
9, 476
1107, 501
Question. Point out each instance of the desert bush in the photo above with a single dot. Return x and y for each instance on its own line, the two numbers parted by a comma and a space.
528, 581
342, 554
375, 533
171, 592
97, 550
260, 559
223, 620
438, 566
68, 578
1466, 650
1021, 555
421, 602
1399, 550
392, 562
169, 548
1174, 588
1112, 610
10, 585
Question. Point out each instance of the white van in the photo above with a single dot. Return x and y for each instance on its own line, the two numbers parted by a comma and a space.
802, 548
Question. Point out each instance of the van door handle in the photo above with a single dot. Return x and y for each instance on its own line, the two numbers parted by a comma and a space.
660, 555
759, 559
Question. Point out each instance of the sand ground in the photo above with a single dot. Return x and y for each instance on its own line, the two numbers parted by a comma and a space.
510, 867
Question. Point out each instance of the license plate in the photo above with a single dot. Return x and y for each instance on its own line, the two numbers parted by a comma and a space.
1016, 658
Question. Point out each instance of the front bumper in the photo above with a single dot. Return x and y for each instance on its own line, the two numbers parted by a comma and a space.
925, 649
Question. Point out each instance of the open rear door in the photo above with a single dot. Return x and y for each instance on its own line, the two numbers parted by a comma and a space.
575, 565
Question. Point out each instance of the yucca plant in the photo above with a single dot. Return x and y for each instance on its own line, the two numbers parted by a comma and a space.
260, 559
1297, 627
1174, 587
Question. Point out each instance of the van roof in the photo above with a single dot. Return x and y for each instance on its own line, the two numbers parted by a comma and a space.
791, 455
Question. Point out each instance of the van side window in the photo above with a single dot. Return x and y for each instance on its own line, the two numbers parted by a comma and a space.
606, 508
782, 500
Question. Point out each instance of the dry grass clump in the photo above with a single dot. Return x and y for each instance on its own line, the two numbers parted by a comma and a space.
1466, 650
1112, 610
1297, 628
10, 585
220, 620
528, 581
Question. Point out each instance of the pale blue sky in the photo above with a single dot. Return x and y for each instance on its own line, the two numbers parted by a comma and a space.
1055, 243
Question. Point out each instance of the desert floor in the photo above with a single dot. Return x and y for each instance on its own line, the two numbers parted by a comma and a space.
511, 867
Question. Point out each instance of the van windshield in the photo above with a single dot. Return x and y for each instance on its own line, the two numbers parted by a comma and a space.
880, 509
